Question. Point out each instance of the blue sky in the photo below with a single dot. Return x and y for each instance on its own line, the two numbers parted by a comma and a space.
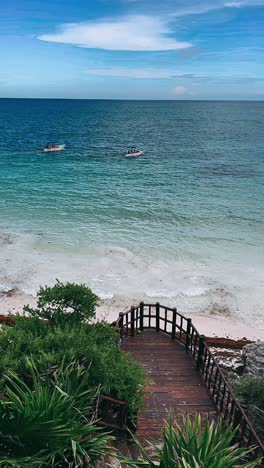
132, 49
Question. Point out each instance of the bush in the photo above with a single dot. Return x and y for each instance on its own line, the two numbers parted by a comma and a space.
64, 303
195, 446
94, 345
250, 390
51, 426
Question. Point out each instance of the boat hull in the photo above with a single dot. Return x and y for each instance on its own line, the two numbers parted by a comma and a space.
133, 155
53, 150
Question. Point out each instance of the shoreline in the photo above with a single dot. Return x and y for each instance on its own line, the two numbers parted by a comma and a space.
214, 326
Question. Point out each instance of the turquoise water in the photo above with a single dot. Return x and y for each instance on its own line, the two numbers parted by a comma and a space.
183, 223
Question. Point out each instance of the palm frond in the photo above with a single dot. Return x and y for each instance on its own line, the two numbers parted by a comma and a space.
53, 423
198, 445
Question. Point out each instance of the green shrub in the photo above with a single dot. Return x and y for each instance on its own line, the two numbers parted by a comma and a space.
52, 425
94, 345
250, 390
64, 303
195, 446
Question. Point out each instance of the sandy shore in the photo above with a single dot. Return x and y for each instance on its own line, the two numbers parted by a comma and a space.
209, 325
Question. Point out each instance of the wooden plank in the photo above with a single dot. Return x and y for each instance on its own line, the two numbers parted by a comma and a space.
175, 387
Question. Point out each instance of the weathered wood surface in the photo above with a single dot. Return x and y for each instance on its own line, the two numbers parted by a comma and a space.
175, 388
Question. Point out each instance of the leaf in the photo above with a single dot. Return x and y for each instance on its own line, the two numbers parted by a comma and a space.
74, 449
196, 447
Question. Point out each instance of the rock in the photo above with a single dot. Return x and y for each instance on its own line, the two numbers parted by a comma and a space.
230, 360
253, 359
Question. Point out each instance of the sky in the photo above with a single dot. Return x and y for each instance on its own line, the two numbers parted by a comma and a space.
132, 49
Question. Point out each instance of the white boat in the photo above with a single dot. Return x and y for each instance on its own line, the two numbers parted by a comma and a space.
133, 153
53, 148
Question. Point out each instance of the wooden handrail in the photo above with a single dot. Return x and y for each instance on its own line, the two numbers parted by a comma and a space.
156, 316
113, 413
136, 319
113, 400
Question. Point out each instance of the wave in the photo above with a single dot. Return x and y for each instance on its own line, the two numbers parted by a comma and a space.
114, 272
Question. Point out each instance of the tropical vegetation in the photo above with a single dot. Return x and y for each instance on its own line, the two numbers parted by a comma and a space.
250, 390
54, 364
196, 445
64, 303
53, 425
92, 344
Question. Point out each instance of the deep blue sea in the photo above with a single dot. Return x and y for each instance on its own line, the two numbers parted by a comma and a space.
184, 223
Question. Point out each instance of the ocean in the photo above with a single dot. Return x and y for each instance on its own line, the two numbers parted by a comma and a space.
182, 224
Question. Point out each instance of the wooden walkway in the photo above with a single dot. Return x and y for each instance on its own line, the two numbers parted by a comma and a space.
185, 378
175, 386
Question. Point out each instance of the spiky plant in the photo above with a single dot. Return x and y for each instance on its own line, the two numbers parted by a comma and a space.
51, 425
196, 446
73, 380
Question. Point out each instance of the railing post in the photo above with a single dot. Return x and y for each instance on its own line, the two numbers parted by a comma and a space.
188, 332
236, 418
141, 316
123, 417
157, 316
121, 324
174, 315
132, 321
236, 423
201, 348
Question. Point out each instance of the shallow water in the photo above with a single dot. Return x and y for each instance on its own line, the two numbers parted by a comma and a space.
183, 223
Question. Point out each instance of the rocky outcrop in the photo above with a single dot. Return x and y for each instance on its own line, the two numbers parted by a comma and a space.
253, 359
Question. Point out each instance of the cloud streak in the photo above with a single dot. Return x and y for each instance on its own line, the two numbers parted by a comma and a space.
157, 74
140, 73
119, 72
181, 8
130, 33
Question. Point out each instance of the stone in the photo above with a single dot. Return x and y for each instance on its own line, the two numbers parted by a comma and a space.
253, 359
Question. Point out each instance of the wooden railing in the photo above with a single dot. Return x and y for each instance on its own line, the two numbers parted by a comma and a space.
113, 413
169, 321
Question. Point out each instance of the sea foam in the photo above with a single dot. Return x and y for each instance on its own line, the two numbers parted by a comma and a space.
114, 272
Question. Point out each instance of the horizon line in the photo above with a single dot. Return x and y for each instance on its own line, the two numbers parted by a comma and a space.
132, 100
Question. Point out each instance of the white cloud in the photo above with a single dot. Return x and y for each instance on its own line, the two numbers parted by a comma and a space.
243, 3
233, 4
180, 90
130, 73
135, 33
147, 73
180, 8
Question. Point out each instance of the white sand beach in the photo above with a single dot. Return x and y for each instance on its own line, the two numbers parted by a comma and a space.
216, 325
